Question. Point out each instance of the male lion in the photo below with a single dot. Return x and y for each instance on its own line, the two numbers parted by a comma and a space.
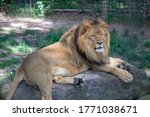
82, 47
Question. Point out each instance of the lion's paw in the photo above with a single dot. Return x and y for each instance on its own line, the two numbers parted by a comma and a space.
122, 64
117, 62
78, 81
126, 76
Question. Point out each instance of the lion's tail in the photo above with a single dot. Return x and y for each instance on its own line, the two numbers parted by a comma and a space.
17, 79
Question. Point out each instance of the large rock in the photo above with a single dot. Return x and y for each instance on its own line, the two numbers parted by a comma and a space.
96, 86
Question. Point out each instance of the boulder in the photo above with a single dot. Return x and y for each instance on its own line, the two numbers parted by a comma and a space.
96, 86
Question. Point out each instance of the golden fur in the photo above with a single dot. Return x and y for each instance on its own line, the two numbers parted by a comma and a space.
80, 48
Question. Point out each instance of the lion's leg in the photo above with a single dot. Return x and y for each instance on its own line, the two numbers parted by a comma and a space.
46, 90
66, 76
45, 86
43, 81
116, 62
63, 80
122, 74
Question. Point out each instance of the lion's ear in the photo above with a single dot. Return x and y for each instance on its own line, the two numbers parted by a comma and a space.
86, 24
103, 24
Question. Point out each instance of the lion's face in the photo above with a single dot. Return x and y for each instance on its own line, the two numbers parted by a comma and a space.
93, 41
98, 38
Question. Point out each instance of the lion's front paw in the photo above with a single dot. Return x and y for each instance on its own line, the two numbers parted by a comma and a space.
125, 76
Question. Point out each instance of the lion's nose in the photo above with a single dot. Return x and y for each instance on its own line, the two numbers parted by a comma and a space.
99, 43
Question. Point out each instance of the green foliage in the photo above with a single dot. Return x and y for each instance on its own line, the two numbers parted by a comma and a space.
8, 63
52, 37
9, 44
6, 41
2, 55
129, 49
47, 6
40, 8
1, 97
22, 47
9, 47
129, 12
147, 43
44, 6
146, 60
146, 54
22, 12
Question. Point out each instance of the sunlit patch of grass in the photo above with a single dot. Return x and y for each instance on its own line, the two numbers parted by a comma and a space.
5, 41
10, 45
21, 48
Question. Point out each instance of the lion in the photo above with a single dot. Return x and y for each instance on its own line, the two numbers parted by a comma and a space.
82, 47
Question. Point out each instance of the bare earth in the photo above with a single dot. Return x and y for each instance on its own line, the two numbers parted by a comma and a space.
58, 21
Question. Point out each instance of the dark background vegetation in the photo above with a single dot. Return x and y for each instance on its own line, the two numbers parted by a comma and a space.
133, 11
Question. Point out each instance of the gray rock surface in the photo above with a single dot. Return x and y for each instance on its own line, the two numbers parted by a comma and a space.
96, 86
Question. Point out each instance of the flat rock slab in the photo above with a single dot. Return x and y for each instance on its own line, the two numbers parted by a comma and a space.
96, 86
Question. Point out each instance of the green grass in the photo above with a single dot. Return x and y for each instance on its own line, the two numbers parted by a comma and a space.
10, 62
147, 43
131, 49
15, 11
1, 97
146, 60
2, 55
41, 40
8, 42
52, 37
21, 47
9, 45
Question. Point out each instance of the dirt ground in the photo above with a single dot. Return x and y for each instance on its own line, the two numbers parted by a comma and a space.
58, 21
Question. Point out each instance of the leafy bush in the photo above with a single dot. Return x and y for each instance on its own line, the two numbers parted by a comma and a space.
147, 43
